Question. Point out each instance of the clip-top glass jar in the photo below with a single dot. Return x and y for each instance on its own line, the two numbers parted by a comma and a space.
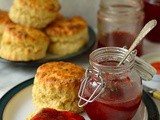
119, 22
109, 92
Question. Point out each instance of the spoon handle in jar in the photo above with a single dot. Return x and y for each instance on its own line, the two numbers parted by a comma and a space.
146, 29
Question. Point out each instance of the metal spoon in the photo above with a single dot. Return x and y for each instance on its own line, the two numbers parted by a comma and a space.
146, 29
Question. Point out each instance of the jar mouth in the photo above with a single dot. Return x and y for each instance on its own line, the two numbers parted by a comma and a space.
111, 54
122, 6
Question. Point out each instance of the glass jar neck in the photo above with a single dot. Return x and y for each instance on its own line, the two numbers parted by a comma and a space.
107, 58
121, 6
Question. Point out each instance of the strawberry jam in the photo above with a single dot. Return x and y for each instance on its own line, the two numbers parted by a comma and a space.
52, 114
100, 110
119, 39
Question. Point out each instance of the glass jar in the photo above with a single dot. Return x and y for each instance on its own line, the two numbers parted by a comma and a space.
119, 22
152, 10
109, 92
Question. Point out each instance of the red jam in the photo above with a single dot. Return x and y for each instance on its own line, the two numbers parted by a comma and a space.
152, 10
119, 39
118, 111
52, 114
156, 65
119, 101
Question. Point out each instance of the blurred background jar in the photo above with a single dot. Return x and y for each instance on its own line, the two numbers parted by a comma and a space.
119, 22
152, 11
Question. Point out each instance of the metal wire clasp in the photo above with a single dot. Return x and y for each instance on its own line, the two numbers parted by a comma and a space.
101, 87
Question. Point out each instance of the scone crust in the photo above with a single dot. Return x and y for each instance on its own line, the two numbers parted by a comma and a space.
34, 13
56, 85
21, 43
65, 27
68, 45
67, 35
45, 5
4, 19
59, 73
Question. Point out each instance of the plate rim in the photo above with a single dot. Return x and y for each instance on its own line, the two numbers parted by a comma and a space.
152, 109
87, 47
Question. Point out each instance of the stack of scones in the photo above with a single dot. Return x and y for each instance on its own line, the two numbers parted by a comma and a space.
33, 27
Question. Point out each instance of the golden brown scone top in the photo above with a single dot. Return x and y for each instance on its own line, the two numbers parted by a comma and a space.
58, 73
46, 5
4, 18
27, 34
66, 27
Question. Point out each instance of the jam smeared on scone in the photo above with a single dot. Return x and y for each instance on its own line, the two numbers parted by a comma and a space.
52, 114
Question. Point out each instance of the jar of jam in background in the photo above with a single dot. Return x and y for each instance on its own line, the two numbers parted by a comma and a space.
152, 11
111, 92
119, 22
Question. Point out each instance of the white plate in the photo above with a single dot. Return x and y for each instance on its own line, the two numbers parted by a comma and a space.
17, 104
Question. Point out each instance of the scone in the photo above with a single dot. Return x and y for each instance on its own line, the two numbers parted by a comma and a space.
21, 43
67, 35
4, 19
34, 13
56, 86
